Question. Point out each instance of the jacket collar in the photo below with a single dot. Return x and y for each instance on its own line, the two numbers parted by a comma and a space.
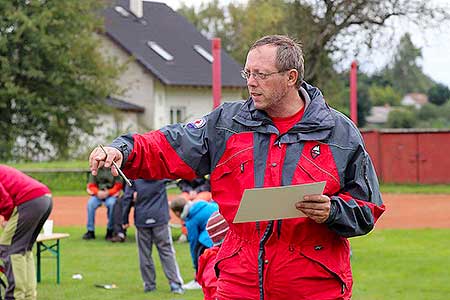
316, 123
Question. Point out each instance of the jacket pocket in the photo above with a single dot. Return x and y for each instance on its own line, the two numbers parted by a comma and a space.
225, 254
236, 164
229, 180
334, 260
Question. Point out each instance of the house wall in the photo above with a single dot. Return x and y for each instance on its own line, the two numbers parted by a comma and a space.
109, 126
136, 82
196, 101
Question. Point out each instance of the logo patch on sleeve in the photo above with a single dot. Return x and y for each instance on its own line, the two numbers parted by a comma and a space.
197, 124
315, 151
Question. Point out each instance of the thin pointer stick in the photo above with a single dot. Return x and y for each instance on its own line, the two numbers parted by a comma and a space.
118, 169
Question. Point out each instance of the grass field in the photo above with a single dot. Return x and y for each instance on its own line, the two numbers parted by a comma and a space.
387, 264
101, 262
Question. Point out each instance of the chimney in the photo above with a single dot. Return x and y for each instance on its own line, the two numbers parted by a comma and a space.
136, 7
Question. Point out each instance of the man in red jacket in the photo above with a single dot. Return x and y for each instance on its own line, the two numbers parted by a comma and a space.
283, 134
25, 204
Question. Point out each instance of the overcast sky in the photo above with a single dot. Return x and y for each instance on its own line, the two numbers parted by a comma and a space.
435, 45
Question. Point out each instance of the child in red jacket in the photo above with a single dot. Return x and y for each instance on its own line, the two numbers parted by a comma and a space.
217, 228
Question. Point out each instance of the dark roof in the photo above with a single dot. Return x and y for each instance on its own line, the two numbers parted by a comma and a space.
123, 105
176, 35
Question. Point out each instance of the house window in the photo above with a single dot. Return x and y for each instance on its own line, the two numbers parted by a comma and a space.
122, 11
177, 115
205, 54
160, 51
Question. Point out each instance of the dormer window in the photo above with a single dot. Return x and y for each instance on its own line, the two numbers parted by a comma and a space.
122, 11
205, 54
160, 51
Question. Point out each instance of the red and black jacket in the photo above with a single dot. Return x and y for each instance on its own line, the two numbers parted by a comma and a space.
240, 148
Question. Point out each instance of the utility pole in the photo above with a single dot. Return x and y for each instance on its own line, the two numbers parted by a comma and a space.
216, 73
354, 92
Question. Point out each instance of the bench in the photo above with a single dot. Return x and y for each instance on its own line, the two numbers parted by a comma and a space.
50, 243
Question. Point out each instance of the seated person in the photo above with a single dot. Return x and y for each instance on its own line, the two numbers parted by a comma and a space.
119, 232
104, 189
217, 228
195, 214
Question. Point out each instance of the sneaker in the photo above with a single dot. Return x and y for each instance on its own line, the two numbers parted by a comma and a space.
192, 285
119, 238
109, 234
149, 290
90, 235
176, 289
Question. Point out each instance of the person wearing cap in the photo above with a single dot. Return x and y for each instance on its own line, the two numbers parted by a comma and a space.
217, 228
25, 205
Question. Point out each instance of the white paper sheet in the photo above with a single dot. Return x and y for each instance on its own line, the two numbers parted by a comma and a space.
263, 204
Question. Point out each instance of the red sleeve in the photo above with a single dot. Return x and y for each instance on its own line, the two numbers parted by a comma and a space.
115, 189
154, 157
92, 189
6, 203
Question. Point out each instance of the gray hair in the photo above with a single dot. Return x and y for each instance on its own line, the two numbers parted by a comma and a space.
289, 54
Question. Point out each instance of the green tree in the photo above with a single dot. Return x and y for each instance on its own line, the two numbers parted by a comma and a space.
438, 94
52, 75
434, 116
404, 72
381, 95
401, 118
322, 25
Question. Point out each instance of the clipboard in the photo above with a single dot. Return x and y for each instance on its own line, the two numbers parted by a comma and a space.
265, 204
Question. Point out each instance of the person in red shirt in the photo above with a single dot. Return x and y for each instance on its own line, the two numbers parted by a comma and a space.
25, 205
283, 134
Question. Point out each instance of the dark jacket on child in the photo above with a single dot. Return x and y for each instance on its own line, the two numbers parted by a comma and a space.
151, 207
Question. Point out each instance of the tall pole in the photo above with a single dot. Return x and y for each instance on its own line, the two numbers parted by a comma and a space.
354, 92
216, 73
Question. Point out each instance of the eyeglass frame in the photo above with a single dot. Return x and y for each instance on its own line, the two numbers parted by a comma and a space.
259, 75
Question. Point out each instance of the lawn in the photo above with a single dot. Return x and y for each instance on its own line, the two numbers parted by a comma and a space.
101, 262
387, 264
402, 265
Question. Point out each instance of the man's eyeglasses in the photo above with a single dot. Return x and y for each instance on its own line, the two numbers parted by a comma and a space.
258, 75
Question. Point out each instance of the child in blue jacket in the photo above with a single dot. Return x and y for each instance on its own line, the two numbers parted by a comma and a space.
195, 214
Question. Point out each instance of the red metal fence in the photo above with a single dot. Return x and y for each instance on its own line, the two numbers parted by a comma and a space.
410, 156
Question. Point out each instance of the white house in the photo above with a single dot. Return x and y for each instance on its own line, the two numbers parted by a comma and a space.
415, 99
378, 115
169, 74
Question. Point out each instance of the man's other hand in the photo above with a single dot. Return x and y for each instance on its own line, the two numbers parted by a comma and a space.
99, 159
316, 207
